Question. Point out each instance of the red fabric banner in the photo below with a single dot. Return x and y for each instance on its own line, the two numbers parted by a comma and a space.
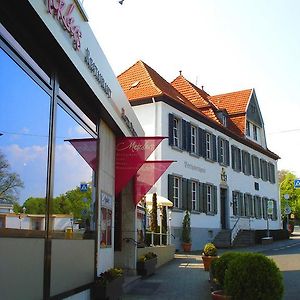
87, 148
131, 153
146, 177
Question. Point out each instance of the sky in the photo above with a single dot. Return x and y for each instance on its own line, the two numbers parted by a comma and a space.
224, 45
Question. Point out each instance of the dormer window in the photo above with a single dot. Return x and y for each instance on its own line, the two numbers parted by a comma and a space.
248, 128
255, 132
224, 120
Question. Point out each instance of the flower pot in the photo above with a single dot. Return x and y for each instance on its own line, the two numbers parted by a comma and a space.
219, 295
147, 267
113, 290
186, 247
207, 261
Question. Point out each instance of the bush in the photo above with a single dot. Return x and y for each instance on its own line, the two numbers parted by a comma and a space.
253, 276
210, 250
220, 266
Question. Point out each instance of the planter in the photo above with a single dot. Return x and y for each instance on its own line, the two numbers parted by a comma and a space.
186, 247
147, 267
207, 261
219, 295
112, 291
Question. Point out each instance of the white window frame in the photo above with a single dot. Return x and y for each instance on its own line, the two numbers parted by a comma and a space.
194, 193
209, 200
193, 139
176, 132
222, 151
208, 145
176, 191
248, 132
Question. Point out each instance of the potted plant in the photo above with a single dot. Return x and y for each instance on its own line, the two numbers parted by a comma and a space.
108, 285
208, 255
186, 232
253, 276
146, 264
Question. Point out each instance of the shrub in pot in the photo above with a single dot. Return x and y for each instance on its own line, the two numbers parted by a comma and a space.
253, 276
209, 254
146, 264
186, 232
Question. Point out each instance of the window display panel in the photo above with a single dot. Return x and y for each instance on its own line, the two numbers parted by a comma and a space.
72, 210
24, 131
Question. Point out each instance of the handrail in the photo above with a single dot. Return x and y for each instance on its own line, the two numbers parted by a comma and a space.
233, 233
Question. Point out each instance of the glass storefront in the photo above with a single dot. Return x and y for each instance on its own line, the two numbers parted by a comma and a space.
48, 185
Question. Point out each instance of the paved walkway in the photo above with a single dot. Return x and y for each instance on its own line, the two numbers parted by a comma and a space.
184, 277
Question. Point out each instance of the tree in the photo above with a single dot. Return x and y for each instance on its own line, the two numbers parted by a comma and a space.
286, 179
153, 215
10, 182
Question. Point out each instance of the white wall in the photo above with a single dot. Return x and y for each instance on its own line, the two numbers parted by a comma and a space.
204, 170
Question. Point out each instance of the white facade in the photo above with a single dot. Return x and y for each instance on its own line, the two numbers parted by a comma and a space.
154, 119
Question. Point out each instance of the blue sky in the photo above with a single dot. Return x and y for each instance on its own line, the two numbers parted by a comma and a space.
224, 45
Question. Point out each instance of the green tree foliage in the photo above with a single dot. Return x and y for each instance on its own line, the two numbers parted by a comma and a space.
10, 182
286, 180
73, 201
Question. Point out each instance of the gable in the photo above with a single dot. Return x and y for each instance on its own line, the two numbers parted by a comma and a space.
253, 112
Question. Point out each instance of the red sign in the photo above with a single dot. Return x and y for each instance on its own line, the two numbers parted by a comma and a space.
87, 148
131, 153
146, 177
59, 10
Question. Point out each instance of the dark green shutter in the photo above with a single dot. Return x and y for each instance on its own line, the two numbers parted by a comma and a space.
188, 137
183, 134
234, 203
171, 125
227, 156
219, 149
201, 142
184, 195
202, 198
171, 188
214, 147
215, 199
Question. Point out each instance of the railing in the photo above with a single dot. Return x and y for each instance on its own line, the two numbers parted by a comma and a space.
157, 239
241, 223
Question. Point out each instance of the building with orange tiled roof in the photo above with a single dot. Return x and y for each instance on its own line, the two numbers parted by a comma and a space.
224, 173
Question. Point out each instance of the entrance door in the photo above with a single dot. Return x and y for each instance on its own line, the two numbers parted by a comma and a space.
223, 200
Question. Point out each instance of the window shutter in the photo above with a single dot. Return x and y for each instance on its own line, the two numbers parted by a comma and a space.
274, 210
171, 188
239, 160
233, 154
171, 124
215, 199
202, 198
227, 157
188, 136
201, 142
214, 147
234, 203
240, 205
243, 162
183, 135
184, 195
219, 149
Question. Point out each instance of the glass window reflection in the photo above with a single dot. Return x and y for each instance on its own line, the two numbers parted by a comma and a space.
24, 128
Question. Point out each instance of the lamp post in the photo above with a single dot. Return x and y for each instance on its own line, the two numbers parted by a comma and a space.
169, 225
160, 226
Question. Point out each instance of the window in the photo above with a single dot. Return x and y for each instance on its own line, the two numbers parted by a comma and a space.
236, 203
176, 192
258, 207
255, 132
194, 195
264, 170
255, 166
247, 128
209, 198
274, 215
176, 133
24, 124
265, 207
236, 158
193, 139
224, 120
249, 207
223, 151
246, 162
208, 145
